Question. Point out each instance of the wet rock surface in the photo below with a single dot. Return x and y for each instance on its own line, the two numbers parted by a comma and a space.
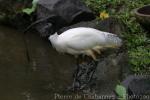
42, 72
46, 73
112, 65
137, 85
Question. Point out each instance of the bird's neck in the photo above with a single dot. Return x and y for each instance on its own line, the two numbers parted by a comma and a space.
56, 44
54, 41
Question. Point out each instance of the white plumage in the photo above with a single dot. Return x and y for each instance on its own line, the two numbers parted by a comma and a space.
84, 40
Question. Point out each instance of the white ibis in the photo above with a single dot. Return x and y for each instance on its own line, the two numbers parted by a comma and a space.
84, 40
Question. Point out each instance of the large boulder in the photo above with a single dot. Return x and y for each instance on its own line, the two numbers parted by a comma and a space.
30, 69
50, 15
137, 85
33, 69
55, 14
113, 63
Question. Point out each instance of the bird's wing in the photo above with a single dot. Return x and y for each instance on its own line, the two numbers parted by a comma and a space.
85, 41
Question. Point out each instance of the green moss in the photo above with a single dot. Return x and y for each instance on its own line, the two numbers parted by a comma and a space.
138, 44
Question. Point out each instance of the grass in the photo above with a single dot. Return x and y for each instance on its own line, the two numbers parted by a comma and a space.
137, 43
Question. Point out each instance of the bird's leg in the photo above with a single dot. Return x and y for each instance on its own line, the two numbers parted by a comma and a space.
83, 59
111, 46
76, 72
76, 56
79, 59
92, 72
97, 50
91, 53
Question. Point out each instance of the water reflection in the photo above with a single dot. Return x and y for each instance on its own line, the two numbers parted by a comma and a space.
47, 72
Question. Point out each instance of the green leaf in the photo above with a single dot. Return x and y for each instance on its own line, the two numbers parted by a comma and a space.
121, 91
28, 10
35, 2
31, 10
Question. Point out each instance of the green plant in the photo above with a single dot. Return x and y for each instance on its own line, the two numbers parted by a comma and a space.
140, 59
32, 9
137, 42
121, 92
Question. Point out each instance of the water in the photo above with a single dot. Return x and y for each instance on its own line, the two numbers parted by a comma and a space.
46, 72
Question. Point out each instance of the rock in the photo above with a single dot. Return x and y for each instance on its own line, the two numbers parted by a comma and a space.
55, 14
30, 68
33, 69
137, 85
113, 64
10, 44
13, 62
112, 25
